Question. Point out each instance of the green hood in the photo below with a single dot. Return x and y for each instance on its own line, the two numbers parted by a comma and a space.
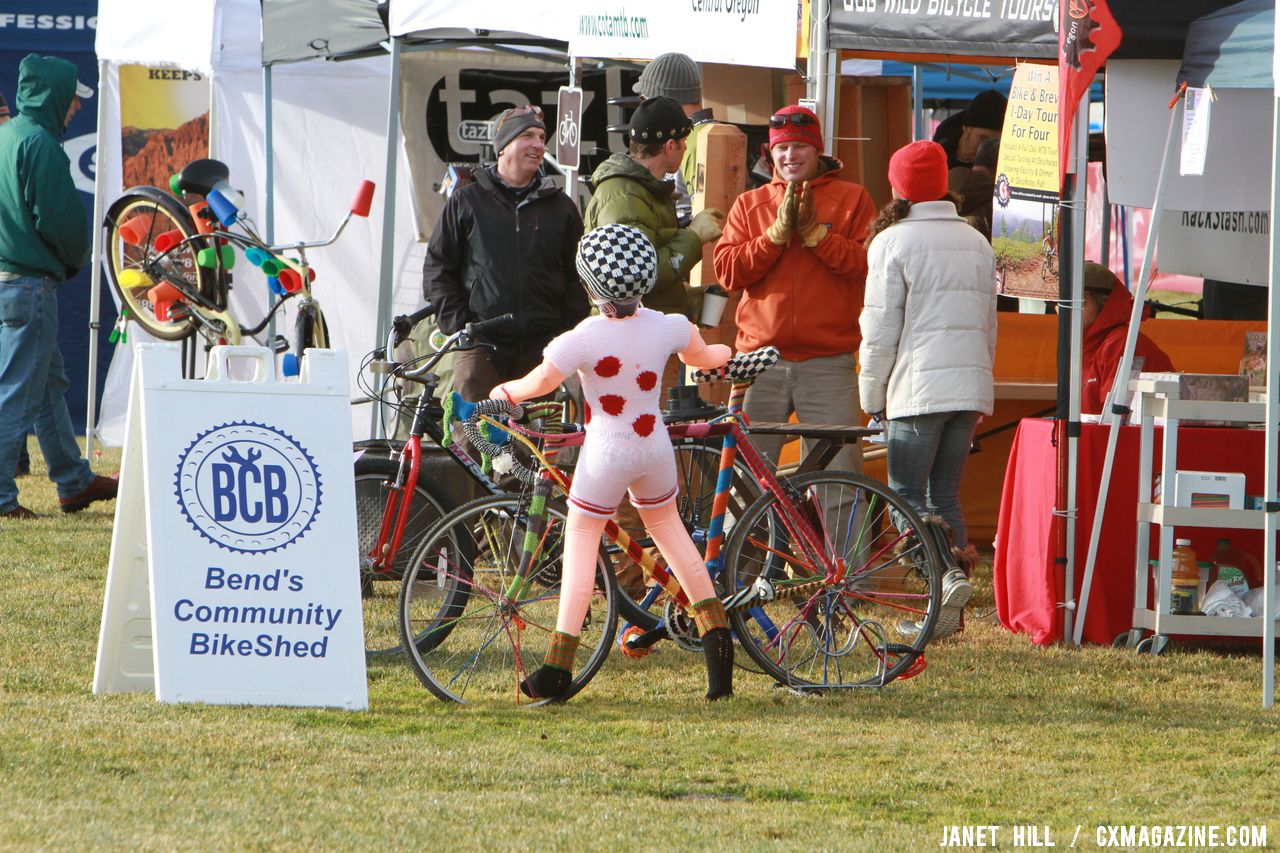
622, 166
46, 85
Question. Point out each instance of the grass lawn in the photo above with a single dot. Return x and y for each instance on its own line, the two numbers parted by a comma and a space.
995, 731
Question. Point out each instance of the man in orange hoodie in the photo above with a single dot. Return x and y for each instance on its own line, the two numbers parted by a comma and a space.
794, 250
1107, 306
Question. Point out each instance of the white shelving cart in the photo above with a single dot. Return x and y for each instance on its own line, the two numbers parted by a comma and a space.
1161, 398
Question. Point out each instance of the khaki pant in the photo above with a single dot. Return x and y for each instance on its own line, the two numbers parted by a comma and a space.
821, 390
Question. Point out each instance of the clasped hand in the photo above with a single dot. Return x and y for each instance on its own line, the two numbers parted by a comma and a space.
797, 216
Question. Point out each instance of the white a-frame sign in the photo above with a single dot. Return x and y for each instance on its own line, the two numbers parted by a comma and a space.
234, 574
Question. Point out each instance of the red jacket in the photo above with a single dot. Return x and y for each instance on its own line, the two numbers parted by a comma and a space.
804, 301
1104, 346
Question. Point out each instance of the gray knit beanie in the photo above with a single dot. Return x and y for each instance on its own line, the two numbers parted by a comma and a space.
511, 123
672, 75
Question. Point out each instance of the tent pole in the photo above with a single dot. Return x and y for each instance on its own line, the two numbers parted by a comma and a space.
1120, 386
95, 271
388, 215
917, 103
1270, 458
820, 82
269, 188
1072, 261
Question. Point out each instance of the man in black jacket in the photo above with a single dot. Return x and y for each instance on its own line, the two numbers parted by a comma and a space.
506, 244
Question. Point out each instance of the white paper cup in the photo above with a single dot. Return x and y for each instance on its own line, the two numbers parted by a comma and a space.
713, 301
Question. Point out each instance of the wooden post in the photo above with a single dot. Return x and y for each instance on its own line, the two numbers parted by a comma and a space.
721, 177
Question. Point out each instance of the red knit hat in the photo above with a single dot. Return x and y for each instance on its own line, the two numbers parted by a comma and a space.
803, 128
918, 172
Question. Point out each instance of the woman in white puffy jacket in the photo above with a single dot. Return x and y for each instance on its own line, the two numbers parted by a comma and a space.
928, 342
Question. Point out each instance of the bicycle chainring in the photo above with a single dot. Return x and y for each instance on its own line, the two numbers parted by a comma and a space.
681, 627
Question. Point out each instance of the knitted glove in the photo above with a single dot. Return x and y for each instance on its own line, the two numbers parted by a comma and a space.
811, 231
708, 224
779, 233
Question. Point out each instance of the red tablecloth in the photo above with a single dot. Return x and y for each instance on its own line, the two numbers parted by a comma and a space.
1029, 583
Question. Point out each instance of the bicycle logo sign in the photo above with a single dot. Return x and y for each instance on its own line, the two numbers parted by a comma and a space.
248, 487
568, 126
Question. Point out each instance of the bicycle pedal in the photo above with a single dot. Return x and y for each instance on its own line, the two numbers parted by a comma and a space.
279, 344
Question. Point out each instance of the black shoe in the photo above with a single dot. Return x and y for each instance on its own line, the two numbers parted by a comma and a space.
18, 513
100, 488
717, 646
548, 682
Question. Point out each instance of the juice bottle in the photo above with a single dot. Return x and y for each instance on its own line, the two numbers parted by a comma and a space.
1185, 597
1236, 568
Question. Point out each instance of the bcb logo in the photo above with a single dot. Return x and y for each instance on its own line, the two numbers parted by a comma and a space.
243, 489
248, 487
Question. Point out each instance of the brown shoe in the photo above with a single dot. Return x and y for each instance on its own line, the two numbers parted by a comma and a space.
99, 489
18, 513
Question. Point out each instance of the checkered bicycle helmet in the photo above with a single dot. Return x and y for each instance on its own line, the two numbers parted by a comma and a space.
618, 265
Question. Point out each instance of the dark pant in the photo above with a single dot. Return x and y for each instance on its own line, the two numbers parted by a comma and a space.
477, 371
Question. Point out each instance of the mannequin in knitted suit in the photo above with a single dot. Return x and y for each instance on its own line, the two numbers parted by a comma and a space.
619, 356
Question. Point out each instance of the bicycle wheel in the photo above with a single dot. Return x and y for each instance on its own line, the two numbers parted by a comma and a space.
379, 591
642, 602
473, 624
815, 633
310, 331
140, 225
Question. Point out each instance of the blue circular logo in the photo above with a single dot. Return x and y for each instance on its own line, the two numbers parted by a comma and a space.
248, 487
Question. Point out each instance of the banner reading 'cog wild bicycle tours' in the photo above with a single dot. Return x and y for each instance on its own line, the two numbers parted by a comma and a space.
1024, 227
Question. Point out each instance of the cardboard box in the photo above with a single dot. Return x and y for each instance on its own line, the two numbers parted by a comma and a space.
1208, 387
1209, 490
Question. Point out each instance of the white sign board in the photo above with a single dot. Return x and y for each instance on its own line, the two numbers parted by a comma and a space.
1230, 245
733, 32
234, 575
1138, 93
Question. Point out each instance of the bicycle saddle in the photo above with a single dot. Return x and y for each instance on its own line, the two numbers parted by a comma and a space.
200, 176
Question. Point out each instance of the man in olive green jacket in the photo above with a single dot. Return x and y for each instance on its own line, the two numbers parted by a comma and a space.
629, 189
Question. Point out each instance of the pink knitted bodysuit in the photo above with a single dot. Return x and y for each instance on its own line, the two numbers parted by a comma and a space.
620, 362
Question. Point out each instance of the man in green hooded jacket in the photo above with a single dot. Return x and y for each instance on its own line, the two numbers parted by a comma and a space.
43, 242
630, 189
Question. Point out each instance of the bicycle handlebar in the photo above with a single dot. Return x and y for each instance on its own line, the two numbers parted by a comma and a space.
480, 325
403, 324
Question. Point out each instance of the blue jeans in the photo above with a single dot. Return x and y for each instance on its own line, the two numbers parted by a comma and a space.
33, 388
926, 460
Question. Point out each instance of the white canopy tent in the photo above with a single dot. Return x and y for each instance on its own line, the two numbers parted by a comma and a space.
279, 122
330, 132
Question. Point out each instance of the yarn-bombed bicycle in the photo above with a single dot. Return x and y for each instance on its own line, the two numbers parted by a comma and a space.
813, 575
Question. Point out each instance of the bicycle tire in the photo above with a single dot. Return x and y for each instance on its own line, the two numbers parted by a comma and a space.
466, 640
311, 331
380, 591
843, 634
156, 212
642, 603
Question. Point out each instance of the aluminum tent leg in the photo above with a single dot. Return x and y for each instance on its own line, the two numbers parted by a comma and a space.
95, 271
1075, 264
1119, 388
1270, 459
385, 271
